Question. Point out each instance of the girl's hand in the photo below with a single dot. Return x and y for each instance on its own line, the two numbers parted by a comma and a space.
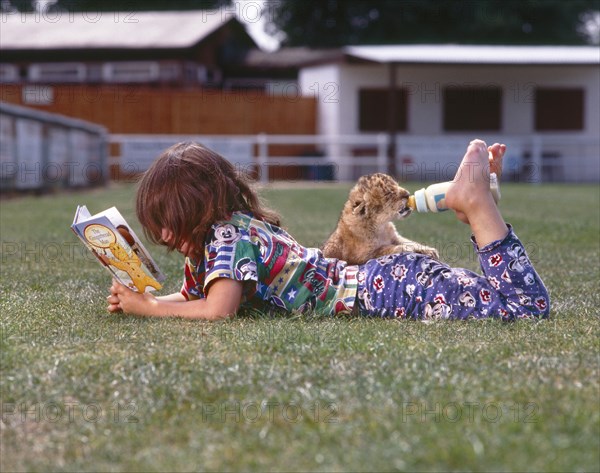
223, 301
123, 299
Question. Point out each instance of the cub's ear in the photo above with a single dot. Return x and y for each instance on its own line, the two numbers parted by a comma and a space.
358, 207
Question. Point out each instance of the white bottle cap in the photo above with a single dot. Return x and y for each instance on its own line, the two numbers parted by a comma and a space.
494, 187
421, 201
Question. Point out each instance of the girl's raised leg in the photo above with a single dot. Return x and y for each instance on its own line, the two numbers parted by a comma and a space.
470, 196
503, 258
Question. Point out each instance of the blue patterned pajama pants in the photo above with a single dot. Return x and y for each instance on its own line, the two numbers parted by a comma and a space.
411, 285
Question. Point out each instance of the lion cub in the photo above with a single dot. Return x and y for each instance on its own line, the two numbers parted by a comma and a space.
365, 229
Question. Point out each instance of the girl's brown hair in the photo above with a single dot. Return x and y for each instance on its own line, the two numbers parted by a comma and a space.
187, 189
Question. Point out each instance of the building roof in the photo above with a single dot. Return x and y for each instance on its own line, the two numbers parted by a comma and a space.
289, 57
424, 54
471, 54
109, 30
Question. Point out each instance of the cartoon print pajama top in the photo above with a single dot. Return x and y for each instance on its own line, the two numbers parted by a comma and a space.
278, 271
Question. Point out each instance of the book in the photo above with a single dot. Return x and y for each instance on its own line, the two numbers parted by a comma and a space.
111, 239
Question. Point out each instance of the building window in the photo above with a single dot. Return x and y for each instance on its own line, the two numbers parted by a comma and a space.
57, 72
472, 108
9, 73
558, 109
131, 71
373, 106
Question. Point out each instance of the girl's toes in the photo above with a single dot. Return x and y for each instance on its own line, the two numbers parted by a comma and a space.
496, 153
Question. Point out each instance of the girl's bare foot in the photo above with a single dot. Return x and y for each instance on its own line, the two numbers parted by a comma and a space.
471, 185
469, 195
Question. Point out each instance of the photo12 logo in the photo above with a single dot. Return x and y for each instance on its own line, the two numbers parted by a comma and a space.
466, 411
69, 412
270, 411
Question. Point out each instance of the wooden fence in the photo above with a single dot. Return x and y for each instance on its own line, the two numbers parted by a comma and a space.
143, 109
136, 109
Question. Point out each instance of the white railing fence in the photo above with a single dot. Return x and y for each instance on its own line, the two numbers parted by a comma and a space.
532, 158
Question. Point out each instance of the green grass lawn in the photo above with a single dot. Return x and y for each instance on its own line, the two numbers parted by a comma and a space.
83, 390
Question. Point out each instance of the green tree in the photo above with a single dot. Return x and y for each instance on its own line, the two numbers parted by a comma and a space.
331, 23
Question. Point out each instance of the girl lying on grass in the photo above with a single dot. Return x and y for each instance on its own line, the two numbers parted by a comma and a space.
192, 200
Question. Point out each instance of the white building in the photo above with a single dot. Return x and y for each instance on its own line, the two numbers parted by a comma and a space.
542, 101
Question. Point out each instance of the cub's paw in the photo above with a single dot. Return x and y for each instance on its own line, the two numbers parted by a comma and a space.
427, 251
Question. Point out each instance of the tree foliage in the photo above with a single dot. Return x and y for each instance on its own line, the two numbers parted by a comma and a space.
331, 23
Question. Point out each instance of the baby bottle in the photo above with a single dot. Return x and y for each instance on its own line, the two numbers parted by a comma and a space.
433, 198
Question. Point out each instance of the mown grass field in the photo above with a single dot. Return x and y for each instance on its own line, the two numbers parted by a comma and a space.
82, 390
